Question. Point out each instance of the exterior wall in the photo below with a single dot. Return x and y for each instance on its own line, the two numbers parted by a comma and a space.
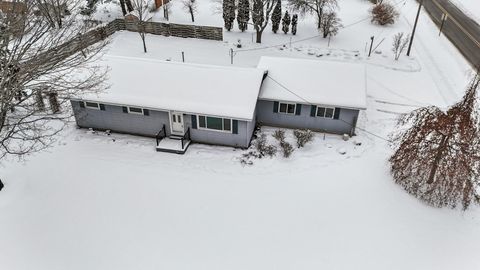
242, 139
347, 119
114, 119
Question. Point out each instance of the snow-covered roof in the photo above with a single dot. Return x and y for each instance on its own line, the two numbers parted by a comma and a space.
314, 81
191, 88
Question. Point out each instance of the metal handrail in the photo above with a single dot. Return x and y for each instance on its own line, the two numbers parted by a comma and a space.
161, 134
185, 136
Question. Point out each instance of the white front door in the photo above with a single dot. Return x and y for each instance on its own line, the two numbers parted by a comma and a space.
177, 123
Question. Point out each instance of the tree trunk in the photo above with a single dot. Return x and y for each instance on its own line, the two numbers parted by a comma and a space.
144, 44
441, 149
122, 5
129, 5
191, 14
1, 184
259, 36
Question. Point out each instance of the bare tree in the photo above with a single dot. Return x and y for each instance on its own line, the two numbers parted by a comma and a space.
261, 11
190, 6
54, 11
41, 61
142, 13
399, 44
437, 153
330, 24
316, 7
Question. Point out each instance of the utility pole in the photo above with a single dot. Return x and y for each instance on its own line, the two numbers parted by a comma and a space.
444, 19
231, 56
183, 57
372, 38
414, 27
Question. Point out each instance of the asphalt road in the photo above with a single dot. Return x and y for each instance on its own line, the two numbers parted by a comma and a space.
462, 31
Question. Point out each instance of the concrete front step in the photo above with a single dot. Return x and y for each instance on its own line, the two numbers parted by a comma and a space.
173, 145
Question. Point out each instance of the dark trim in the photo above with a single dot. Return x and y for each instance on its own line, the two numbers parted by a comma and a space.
275, 106
298, 109
234, 126
313, 110
336, 114
194, 121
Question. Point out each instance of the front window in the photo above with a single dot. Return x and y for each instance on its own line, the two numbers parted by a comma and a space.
215, 123
325, 112
287, 108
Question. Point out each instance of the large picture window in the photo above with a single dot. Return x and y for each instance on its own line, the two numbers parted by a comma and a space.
325, 112
215, 123
287, 108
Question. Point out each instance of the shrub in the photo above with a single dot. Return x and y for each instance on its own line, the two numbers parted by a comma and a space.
384, 13
287, 149
303, 137
263, 148
279, 134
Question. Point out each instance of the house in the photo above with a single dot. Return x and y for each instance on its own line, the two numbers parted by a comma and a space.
175, 102
318, 95
159, 3
179, 103
9, 7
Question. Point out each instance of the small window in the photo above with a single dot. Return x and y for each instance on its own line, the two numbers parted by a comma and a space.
325, 112
135, 110
92, 105
287, 108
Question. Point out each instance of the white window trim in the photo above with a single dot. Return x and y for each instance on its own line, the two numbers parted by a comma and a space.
211, 129
131, 112
333, 114
90, 107
294, 108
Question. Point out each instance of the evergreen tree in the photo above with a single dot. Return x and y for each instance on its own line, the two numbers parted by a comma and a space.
286, 22
243, 15
277, 16
294, 24
228, 13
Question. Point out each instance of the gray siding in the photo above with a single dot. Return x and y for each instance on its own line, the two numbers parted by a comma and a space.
114, 119
266, 116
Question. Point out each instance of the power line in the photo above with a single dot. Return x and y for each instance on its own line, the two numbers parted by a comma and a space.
309, 103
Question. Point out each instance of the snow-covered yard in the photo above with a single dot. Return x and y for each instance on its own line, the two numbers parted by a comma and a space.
111, 202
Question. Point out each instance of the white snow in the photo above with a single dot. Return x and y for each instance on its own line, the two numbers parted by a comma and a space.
184, 87
470, 7
112, 202
313, 81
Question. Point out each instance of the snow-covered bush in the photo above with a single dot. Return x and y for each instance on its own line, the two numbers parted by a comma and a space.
303, 137
279, 134
384, 13
263, 148
287, 149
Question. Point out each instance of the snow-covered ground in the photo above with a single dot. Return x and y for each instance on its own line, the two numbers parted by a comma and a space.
111, 202
470, 7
